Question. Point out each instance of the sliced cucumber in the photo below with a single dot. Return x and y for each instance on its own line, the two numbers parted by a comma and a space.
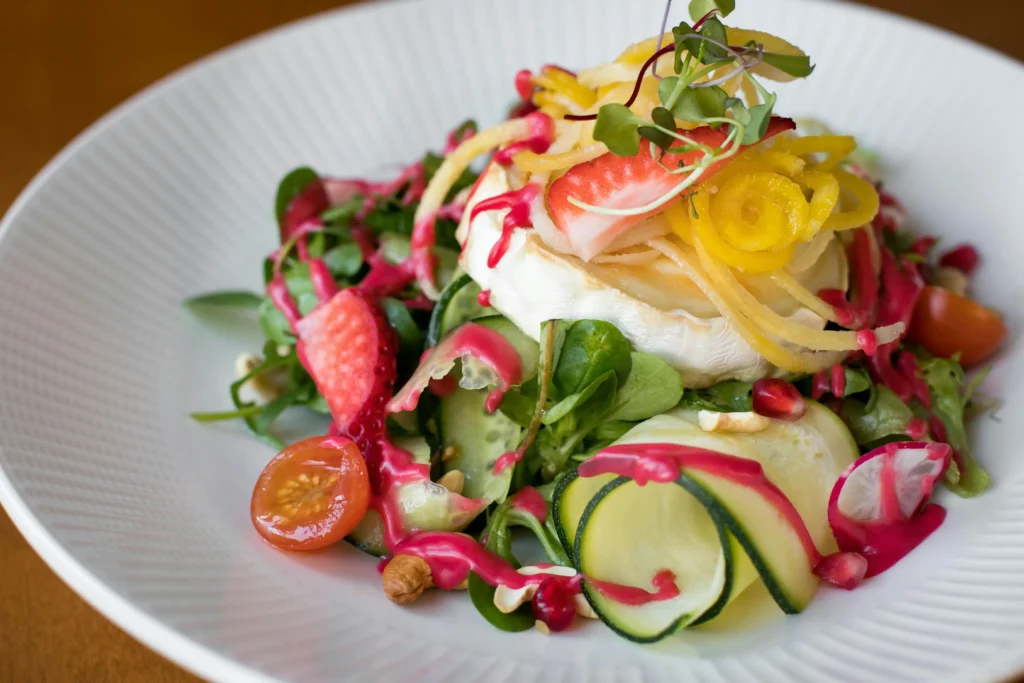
473, 438
458, 303
716, 535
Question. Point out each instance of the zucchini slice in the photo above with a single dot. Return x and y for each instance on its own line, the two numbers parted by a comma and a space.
476, 438
716, 535
458, 303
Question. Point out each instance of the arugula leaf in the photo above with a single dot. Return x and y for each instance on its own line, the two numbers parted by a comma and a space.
794, 65
273, 409
228, 298
873, 424
270, 361
946, 384
341, 214
290, 186
344, 260
591, 348
700, 104
219, 416
410, 339
730, 396
698, 8
617, 127
653, 387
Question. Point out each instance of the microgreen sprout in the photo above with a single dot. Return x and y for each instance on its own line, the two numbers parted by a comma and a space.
693, 95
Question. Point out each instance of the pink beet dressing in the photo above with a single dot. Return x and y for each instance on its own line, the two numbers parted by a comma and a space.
531, 502
470, 339
518, 203
539, 138
885, 541
664, 583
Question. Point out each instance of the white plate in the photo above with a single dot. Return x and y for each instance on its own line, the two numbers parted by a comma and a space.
146, 514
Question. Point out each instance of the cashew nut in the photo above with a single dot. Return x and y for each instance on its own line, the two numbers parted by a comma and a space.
265, 386
454, 481
953, 279
747, 423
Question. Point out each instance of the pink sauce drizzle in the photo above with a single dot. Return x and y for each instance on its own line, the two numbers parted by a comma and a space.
838, 380
307, 204
282, 298
884, 542
867, 340
664, 462
664, 583
531, 502
917, 428
484, 298
518, 204
538, 140
386, 278
322, 280
471, 339
507, 460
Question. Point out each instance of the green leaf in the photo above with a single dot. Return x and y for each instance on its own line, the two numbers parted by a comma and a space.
617, 128
226, 414
341, 214
886, 417
794, 65
653, 387
698, 8
700, 104
482, 596
857, 381
760, 116
730, 396
591, 348
290, 186
394, 247
715, 30
228, 298
410, 339
273, 409
570, 403
344, 260
946, 384
274, 325
611, 430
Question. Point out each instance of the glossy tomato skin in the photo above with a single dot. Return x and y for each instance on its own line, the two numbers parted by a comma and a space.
312, 494
946, 324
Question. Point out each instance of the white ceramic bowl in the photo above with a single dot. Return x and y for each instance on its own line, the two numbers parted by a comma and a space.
146, 514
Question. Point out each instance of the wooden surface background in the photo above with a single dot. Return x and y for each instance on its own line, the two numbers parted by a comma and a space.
63, 63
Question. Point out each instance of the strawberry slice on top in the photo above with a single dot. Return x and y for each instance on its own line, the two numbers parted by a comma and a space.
618, 182
348, 348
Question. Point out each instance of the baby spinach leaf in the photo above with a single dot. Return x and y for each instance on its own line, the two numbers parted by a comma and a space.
290, 186
887, 417
228, 298
653, 386
395, 247
591, 348
730, 396
570, 403
341, 214
273, 409
344, 260
611, 430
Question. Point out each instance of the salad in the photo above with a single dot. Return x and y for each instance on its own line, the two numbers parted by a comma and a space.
687, 345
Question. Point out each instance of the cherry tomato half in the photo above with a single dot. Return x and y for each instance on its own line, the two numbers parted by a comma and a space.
946, 323
312, 494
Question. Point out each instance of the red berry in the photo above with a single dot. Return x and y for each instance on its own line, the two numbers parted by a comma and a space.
842, 570
524, 84
554, 604
778, 399
964, 258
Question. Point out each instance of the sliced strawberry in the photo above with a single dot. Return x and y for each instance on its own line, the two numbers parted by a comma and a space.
617, 182
348, 348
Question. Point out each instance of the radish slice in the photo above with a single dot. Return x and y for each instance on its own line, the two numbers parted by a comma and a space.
879, 507
488, 359
842, 570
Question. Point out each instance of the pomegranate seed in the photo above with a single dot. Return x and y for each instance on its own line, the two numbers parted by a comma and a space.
778, 399
964, 258
867, 341
917, 428
843, 570
554, 605
524, 84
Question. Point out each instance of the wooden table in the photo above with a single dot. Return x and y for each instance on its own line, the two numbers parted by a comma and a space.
63, 63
